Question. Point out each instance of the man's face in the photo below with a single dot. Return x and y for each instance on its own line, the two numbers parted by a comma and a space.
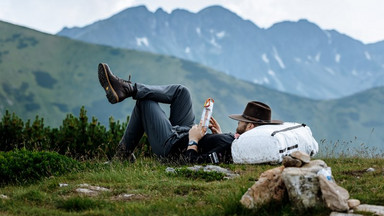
241, 127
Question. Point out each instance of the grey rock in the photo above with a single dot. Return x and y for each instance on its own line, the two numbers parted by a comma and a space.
2, 196
90, 190
303, 187
86, 191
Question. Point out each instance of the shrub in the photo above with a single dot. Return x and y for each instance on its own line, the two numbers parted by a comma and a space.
23, 166
76, 137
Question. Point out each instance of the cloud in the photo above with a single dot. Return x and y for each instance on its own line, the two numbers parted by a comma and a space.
50, 16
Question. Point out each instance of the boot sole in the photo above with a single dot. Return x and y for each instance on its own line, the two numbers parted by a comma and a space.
106, 84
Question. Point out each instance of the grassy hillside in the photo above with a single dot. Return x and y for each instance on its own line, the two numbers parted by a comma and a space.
52, 76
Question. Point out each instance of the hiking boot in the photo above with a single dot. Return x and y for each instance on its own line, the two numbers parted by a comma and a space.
117, 89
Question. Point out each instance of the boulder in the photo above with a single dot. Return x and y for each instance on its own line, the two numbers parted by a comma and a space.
304, 157
335, 197
269, 187
303, 187
288, 161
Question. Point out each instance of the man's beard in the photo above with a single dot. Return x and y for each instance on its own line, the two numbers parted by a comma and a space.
241, 130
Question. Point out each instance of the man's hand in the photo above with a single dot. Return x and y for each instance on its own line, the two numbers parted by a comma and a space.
196, 133
214, 126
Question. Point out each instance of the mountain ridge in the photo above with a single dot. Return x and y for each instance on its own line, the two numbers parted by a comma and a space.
62, 78
294, 57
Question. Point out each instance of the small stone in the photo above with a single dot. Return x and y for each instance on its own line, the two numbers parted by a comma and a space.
344, 214
2, 196
170, 170
127, 195
301, 156
97, 188
288, 161
352, 203
63, 185
228, 173
377, 210
86, 191
370, 169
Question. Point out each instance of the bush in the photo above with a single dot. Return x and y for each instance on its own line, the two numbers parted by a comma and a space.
76, 137
23, 166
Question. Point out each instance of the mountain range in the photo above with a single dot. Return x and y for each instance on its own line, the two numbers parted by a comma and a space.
293, 57
52, 76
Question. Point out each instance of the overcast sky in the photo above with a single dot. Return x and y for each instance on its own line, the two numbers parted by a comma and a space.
360, 19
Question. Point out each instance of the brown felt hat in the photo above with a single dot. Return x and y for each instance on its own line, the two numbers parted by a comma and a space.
256, 112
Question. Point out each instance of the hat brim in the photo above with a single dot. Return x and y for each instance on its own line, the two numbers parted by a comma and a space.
239, 117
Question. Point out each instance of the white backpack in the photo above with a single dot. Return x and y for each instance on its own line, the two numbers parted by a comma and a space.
269, 143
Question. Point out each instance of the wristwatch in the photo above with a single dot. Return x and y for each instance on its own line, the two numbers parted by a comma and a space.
192, 142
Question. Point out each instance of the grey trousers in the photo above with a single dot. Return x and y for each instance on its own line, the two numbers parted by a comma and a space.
147, 116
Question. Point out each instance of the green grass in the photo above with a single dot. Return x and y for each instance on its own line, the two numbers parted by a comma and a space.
158, 193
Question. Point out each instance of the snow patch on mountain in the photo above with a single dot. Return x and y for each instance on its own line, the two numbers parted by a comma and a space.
198, 31
330, 71
265, 58
187, 49
264, 80
278, 59
367, 55
140, 41
278, 83
337, 58
220, 35
271, 72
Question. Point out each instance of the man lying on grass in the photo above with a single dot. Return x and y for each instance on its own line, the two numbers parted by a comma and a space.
176, 136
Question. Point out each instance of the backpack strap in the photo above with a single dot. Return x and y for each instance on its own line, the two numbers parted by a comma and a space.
288, 128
